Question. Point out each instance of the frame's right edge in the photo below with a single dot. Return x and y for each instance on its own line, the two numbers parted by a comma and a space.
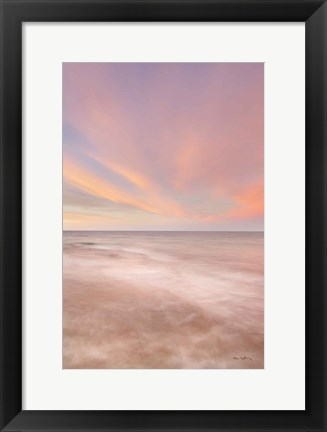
316, 201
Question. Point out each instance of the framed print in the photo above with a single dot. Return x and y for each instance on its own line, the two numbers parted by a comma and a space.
163, 215
156, 213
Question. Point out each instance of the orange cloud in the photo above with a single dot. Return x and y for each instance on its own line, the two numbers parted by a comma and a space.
249, 203
75, 217
129, 174
90, 183
187, 160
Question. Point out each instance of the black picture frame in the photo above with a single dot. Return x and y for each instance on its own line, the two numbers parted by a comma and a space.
13, 14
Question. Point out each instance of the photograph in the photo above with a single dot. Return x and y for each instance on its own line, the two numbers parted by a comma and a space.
163, 215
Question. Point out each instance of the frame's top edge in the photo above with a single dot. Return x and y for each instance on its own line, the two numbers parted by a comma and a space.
18, 11
170, 2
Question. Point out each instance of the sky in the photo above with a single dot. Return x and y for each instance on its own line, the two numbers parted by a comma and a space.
163, 146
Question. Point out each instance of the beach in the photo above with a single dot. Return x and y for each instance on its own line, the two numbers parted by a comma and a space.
163, 300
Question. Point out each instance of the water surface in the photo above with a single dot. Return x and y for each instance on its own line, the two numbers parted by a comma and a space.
163, 300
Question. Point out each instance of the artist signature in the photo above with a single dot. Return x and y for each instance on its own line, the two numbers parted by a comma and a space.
242, 358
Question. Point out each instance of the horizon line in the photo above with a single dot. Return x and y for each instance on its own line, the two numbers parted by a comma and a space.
197, 231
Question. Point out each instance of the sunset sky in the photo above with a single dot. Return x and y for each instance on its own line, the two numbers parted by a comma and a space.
163, 146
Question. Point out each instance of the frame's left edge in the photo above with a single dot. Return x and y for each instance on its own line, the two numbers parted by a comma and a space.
10, 218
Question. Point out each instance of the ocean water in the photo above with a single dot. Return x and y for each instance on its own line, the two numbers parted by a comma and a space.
163, 300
